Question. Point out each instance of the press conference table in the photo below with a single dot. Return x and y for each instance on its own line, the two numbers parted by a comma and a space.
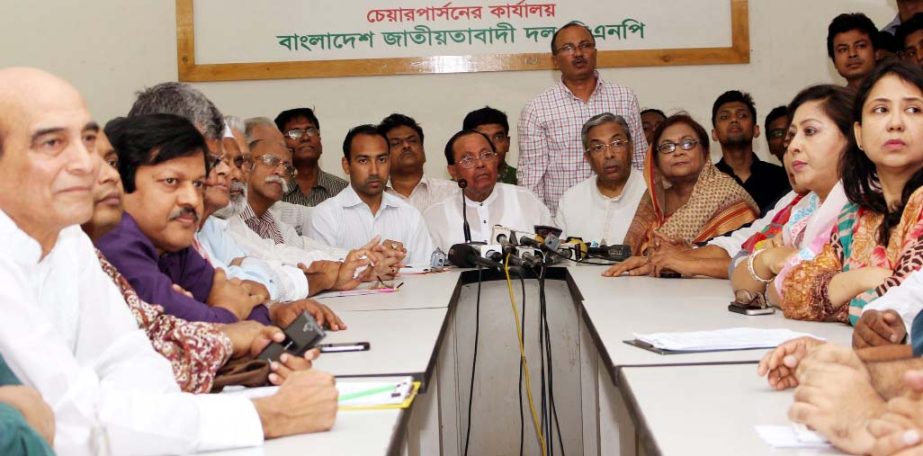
425, 330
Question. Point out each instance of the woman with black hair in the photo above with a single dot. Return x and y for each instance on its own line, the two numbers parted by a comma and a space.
875, 243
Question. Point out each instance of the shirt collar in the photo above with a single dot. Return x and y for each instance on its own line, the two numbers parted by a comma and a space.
349, 199
487, 201
562, 86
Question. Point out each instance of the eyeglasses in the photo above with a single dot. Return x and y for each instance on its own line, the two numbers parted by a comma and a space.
243, 163
615, 145
273, 162
296, 133
670, 147
468, 161
570, 48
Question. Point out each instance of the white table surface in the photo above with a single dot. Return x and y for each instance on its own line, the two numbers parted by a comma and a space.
354, 433
619, 307
420, 291
402, 342
693, 410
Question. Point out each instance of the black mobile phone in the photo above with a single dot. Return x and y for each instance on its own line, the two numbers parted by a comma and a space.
734, 307
345, 347
301, 335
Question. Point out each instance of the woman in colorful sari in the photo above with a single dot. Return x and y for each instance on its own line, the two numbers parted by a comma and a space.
688, 199
875, 243
820, 131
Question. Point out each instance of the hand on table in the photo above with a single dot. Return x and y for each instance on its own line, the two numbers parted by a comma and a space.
778, 366
836, 398
876, 328
284, 313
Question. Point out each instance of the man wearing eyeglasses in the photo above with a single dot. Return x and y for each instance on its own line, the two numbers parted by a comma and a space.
311, 185
550, 150
733, 117
602, 207
471, 156
364, 210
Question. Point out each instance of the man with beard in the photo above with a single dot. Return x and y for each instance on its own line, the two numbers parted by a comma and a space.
287, 284
471, 156
602, 207
405, 137
550, 150
364, 209
311, 185
733, 117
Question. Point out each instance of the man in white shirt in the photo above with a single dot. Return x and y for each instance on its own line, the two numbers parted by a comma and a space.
472, 158
405, 138
602, 207
364, 210
66, 330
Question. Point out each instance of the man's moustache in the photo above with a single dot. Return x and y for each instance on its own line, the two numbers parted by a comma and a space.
183, 211
278, 180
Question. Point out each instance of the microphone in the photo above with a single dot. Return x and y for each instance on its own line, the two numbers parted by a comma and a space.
462, 184
506, 237
468, 256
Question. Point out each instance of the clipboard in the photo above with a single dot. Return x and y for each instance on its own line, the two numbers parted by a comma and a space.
663, 351
411, 395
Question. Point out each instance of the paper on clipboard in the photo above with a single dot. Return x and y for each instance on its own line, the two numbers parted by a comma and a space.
716, 340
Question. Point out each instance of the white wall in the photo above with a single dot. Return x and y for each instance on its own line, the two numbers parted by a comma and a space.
111, 48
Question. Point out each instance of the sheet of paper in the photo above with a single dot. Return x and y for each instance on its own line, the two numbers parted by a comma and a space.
355, 292
720, 339
790, 437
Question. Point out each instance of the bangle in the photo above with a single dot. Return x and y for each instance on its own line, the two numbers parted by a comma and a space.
752, 271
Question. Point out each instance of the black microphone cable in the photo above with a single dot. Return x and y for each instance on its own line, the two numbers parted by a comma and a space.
474, 360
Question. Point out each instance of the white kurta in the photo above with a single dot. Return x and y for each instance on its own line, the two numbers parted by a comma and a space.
508, 205
67, 332
592, 216
345, 221
429, 191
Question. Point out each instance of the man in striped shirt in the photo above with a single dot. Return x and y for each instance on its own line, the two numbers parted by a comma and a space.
311, 185
550, 149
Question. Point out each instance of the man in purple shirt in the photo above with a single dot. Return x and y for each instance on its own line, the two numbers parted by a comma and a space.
162, 162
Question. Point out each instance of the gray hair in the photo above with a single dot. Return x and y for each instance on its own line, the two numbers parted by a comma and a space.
254, 122
181, 100
235, 123
604, 118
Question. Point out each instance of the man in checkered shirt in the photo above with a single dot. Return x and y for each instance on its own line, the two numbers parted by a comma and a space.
550, 149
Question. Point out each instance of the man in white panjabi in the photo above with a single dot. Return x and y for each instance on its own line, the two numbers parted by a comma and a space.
471, 156
601, 207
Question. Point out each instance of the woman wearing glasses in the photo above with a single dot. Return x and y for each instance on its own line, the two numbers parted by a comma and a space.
688, 199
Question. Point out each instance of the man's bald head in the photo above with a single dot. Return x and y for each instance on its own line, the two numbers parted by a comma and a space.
48, 162
25, 91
